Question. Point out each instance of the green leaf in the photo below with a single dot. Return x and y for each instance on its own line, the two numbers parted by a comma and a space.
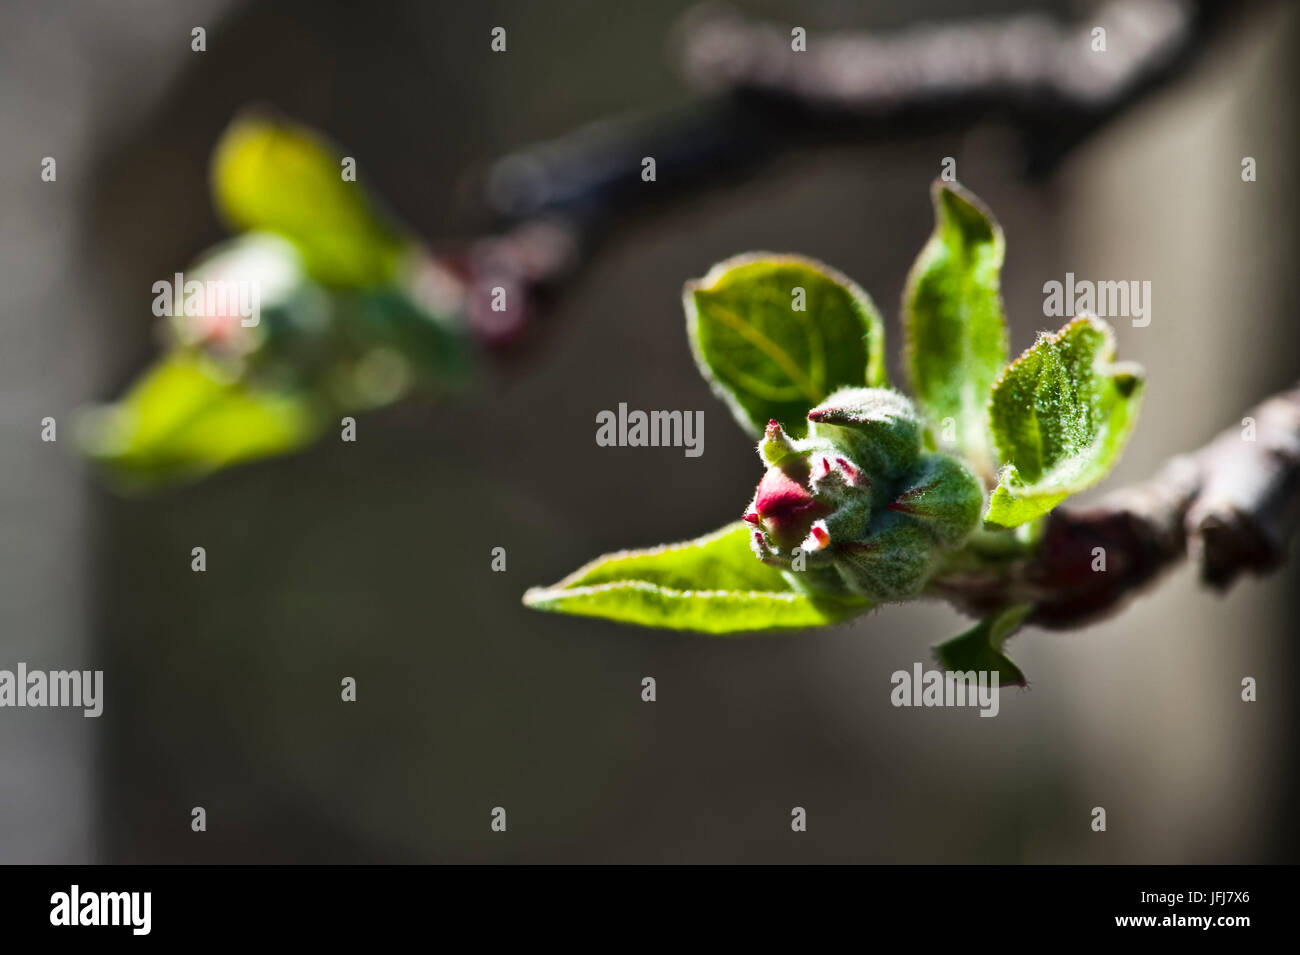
980, 648
281, 178
179, 422
766, 357
1060, 414
438, 352
713, 584
955, 338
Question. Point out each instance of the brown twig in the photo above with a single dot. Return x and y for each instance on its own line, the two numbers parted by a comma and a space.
555, 200
1231, 507
1047, 78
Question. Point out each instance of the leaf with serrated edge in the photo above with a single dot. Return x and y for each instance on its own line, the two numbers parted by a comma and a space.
765, 359
712, 584
1060, 415
955, 338
979, 649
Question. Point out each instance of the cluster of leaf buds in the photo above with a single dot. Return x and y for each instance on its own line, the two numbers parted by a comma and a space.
860, 504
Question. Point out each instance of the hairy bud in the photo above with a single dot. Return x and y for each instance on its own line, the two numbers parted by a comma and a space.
863, 502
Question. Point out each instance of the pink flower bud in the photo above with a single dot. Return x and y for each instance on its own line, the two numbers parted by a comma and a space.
786, 506
859, 505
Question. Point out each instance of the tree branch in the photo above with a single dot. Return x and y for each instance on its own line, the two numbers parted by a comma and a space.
1040, 75
1232, 507
554, 201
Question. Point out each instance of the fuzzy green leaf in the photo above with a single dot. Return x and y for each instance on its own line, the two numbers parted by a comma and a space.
281, 178
955, 338
766, 357
1060, 415
712, 584
980, 648
179, 422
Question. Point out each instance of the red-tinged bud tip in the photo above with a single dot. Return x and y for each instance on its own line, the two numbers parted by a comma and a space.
780, 495
752, 517
822, 535
905, 502
851, 472
826, 466
776, 445
787, 507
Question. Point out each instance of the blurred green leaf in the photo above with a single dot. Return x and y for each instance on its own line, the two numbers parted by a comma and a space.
953, 327
767, 357
713, 584
179, 422
390, 318
280, 178
1060, 415
980, 648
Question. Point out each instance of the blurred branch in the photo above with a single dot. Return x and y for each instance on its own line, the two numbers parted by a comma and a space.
1030, 71
1232, 507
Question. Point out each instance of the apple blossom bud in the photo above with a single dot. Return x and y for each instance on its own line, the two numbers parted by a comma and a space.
785, 506
892, 563
877, 425
944, 498
867, 506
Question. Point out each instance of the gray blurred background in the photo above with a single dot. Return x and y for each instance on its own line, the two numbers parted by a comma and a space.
372, 560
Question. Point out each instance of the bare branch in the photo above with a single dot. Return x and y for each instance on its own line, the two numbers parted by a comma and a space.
554, 201
1029, 60
1045, 77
